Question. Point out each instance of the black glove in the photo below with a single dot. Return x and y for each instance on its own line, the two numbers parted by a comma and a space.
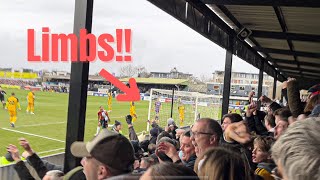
129, 119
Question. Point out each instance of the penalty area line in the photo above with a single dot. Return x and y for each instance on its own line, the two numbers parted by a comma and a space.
51, 150
41, 124
62, 122
30, 134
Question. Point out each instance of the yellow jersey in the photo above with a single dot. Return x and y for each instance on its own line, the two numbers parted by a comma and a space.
12, 103
30, 97
132, 108
264, 174
181, 109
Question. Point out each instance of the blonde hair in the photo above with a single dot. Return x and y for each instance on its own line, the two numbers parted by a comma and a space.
219, 164
264, 143
297, 150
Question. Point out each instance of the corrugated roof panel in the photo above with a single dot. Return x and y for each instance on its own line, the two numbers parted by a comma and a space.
307, 59
290, 70
281, 56
288, 65
310, 73
302, 20
273, 43
311, 67
256, 17
306, 46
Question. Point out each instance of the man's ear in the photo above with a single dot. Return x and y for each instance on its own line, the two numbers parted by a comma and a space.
103, 172
213, 139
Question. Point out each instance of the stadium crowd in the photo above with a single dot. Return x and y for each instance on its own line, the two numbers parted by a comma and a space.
18, 82
281, 143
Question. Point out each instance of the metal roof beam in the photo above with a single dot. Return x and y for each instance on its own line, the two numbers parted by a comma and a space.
283, 68
284, 28
292, 74
293, 3
301, 63
239, 25
288, 52
210, 26
285, 35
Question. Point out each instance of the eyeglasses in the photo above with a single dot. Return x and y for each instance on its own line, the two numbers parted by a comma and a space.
275, 174
197, 134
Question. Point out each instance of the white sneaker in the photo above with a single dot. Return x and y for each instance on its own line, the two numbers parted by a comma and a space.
32, 113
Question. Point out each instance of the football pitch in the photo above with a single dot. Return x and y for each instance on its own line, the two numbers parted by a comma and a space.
46, 130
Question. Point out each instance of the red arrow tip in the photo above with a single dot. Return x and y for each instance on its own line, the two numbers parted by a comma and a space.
132, 93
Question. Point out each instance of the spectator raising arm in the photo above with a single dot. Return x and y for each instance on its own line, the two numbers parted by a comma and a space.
20, 167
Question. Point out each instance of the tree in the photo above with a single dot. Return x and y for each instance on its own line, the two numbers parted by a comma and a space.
204, 78
128, 71
132, 71
142, 72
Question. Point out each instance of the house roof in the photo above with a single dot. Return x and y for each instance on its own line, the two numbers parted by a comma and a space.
158, 81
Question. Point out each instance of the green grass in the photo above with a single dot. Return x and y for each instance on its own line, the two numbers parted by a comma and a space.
51, 116
50, 120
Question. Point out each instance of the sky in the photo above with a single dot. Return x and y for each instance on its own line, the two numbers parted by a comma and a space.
159, 41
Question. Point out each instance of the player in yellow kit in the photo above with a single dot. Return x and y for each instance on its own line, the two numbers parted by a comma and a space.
181, 113
133, 111
30, 99
12, 106
109, 101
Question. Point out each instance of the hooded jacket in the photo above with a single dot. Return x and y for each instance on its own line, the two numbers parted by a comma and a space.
316, 111
264, 170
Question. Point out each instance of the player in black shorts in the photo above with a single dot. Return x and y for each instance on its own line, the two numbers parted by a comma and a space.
2, 93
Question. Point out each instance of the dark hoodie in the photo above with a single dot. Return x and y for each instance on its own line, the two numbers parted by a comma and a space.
316, 111
264, 170
190, 162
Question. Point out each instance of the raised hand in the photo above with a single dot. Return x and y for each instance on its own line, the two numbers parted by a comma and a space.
238, 132
169, 149
251, 109
25, 145
14, 151
265, 100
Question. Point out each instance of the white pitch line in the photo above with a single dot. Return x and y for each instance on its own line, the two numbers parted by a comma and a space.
45, 124
50, 150
41, 124
32, 134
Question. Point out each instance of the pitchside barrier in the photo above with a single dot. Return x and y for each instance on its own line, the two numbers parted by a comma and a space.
8, 172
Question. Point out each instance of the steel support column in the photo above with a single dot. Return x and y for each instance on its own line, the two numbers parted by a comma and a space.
78, 85
274, 91
260, 83
227, 76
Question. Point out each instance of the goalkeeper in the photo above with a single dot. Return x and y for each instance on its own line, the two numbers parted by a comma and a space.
133, 111
157, 108
109, 101
181, 111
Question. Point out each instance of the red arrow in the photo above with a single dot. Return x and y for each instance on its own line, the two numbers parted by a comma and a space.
131, 94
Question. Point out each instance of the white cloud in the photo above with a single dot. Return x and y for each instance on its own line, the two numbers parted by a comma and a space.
160, 42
